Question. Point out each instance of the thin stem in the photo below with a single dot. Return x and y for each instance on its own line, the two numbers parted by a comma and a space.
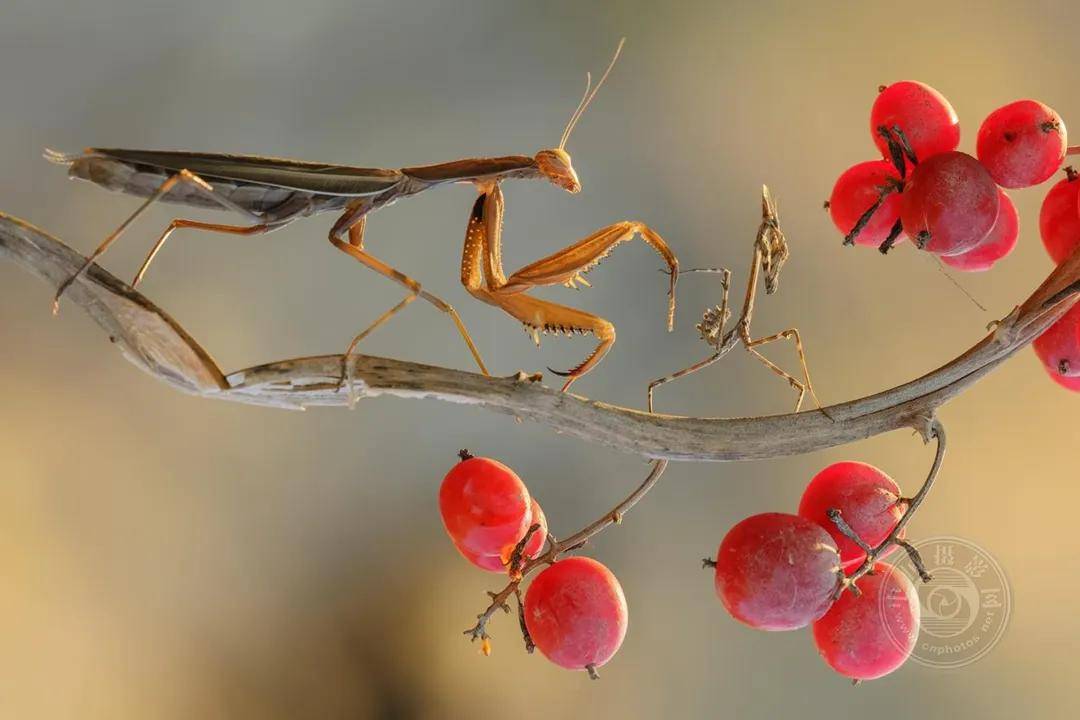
554, 549
1074, 150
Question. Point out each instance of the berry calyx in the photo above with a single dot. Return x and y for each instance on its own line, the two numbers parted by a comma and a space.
921, 113
1059, 218
998, 243
869, 635
949, 204
484, 507
1022, 144
575, 612
870, 185
868, 501
776, 571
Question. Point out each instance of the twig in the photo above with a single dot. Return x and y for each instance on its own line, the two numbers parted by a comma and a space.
935, 430
153, 341
554, 549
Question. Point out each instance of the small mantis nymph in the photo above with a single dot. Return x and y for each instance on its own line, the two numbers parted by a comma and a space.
273, 192
770, 254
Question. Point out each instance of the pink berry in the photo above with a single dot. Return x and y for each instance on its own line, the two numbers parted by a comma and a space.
869, 635
868, 501
856, 191
1059, 349
1059, 219
484, 506
776, 571
921, 112
949, 204
1022, 144
998, 243
576, 613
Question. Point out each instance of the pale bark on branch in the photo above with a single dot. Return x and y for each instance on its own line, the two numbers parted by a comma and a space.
152, 340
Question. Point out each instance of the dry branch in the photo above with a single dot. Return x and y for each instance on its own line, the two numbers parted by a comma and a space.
153, 341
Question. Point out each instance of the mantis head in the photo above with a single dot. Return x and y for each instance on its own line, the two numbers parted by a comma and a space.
555, 164
772, 245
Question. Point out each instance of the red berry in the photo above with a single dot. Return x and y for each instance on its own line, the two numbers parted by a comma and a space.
1059, 349
856, 190
868, 501
996, 245
869, 635
575, 612
1022, 144
1059, 219
921, 112
776, 571
949, 204
484, 506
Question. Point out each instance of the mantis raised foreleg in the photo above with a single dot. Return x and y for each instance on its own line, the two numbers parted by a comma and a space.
482, 275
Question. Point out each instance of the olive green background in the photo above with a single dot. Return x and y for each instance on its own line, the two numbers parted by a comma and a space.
163, 556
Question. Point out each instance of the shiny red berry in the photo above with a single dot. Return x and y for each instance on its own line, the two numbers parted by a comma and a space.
856, 191
949, 204
484, 506
1059, 350
866, 636
868, 501
923, 114
776, 571
1022, 144
1059, 219
575, 612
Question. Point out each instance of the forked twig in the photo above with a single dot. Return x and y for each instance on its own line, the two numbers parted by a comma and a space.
934, 430
553, 549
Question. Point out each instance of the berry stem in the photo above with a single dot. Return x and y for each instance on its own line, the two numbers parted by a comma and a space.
1074, 150
549, 556
886, 190
936, 431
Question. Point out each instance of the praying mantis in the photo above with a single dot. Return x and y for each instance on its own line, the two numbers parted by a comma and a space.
770, 253
273, 192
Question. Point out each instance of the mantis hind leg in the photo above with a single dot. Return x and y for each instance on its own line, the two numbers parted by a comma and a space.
184, 176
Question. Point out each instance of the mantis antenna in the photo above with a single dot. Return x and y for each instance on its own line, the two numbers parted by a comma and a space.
588, 96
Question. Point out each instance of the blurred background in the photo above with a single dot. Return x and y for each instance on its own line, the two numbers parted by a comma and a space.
172, 557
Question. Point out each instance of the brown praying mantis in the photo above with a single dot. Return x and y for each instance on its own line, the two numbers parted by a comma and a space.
273, 192
770, 254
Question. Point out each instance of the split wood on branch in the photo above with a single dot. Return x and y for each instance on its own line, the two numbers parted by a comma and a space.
155, 342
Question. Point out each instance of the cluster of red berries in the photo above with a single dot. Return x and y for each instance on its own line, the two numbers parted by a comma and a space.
1059, 225
777, 571
947, 202
574, 610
